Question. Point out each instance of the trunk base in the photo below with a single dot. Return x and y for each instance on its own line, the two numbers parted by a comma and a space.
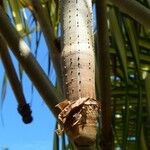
80, 120
84, 132
84, 136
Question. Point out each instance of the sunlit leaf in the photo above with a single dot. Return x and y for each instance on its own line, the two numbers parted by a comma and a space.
20, 72
147, 86
26, 26
15, 10
133, 40
63, 142
4, 89
119, 39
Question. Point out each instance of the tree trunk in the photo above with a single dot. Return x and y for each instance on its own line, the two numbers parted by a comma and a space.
80, 110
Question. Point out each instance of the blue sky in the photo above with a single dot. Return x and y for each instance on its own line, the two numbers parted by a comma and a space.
38, 135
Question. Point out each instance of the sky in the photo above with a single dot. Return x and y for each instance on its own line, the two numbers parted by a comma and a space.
38, 135
16, 135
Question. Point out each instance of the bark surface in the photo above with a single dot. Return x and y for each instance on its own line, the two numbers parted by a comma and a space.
79, 112
78, 61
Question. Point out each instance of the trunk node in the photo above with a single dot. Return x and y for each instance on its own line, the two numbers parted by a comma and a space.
79, 118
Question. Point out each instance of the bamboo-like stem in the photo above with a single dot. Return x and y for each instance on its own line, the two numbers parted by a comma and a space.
104, 70
29, 63
135, 10
23, 107
49, 35
11, 72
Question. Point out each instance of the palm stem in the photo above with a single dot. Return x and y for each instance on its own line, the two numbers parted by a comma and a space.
104, 71
23, 107
11, 73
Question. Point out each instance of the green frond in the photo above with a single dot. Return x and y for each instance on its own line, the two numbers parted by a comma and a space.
4, 89
16, 14
116, 30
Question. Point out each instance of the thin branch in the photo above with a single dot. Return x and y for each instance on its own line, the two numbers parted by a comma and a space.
11, 72
104, 71
135, 10
29, 63
23, 107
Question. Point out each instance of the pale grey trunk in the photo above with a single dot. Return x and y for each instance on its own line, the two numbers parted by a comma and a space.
77, 49
78, 67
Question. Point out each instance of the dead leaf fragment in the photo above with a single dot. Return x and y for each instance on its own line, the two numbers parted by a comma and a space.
71, 110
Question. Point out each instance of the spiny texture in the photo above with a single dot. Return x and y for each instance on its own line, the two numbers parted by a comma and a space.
80, 119
79, 112
78, 62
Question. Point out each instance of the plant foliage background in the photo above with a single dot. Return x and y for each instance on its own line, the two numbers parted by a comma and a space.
129, 50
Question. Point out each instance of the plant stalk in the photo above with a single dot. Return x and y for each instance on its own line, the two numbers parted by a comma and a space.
11, 72
104, 71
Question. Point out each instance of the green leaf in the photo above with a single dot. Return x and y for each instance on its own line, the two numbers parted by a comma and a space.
119, 39
144, 42
147, 88
54, 14
143, 140
26, 26
56, 139
15, 10
70, 145
133, 41
130, 28
4, 89
5, 5
63, 142
20, 72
